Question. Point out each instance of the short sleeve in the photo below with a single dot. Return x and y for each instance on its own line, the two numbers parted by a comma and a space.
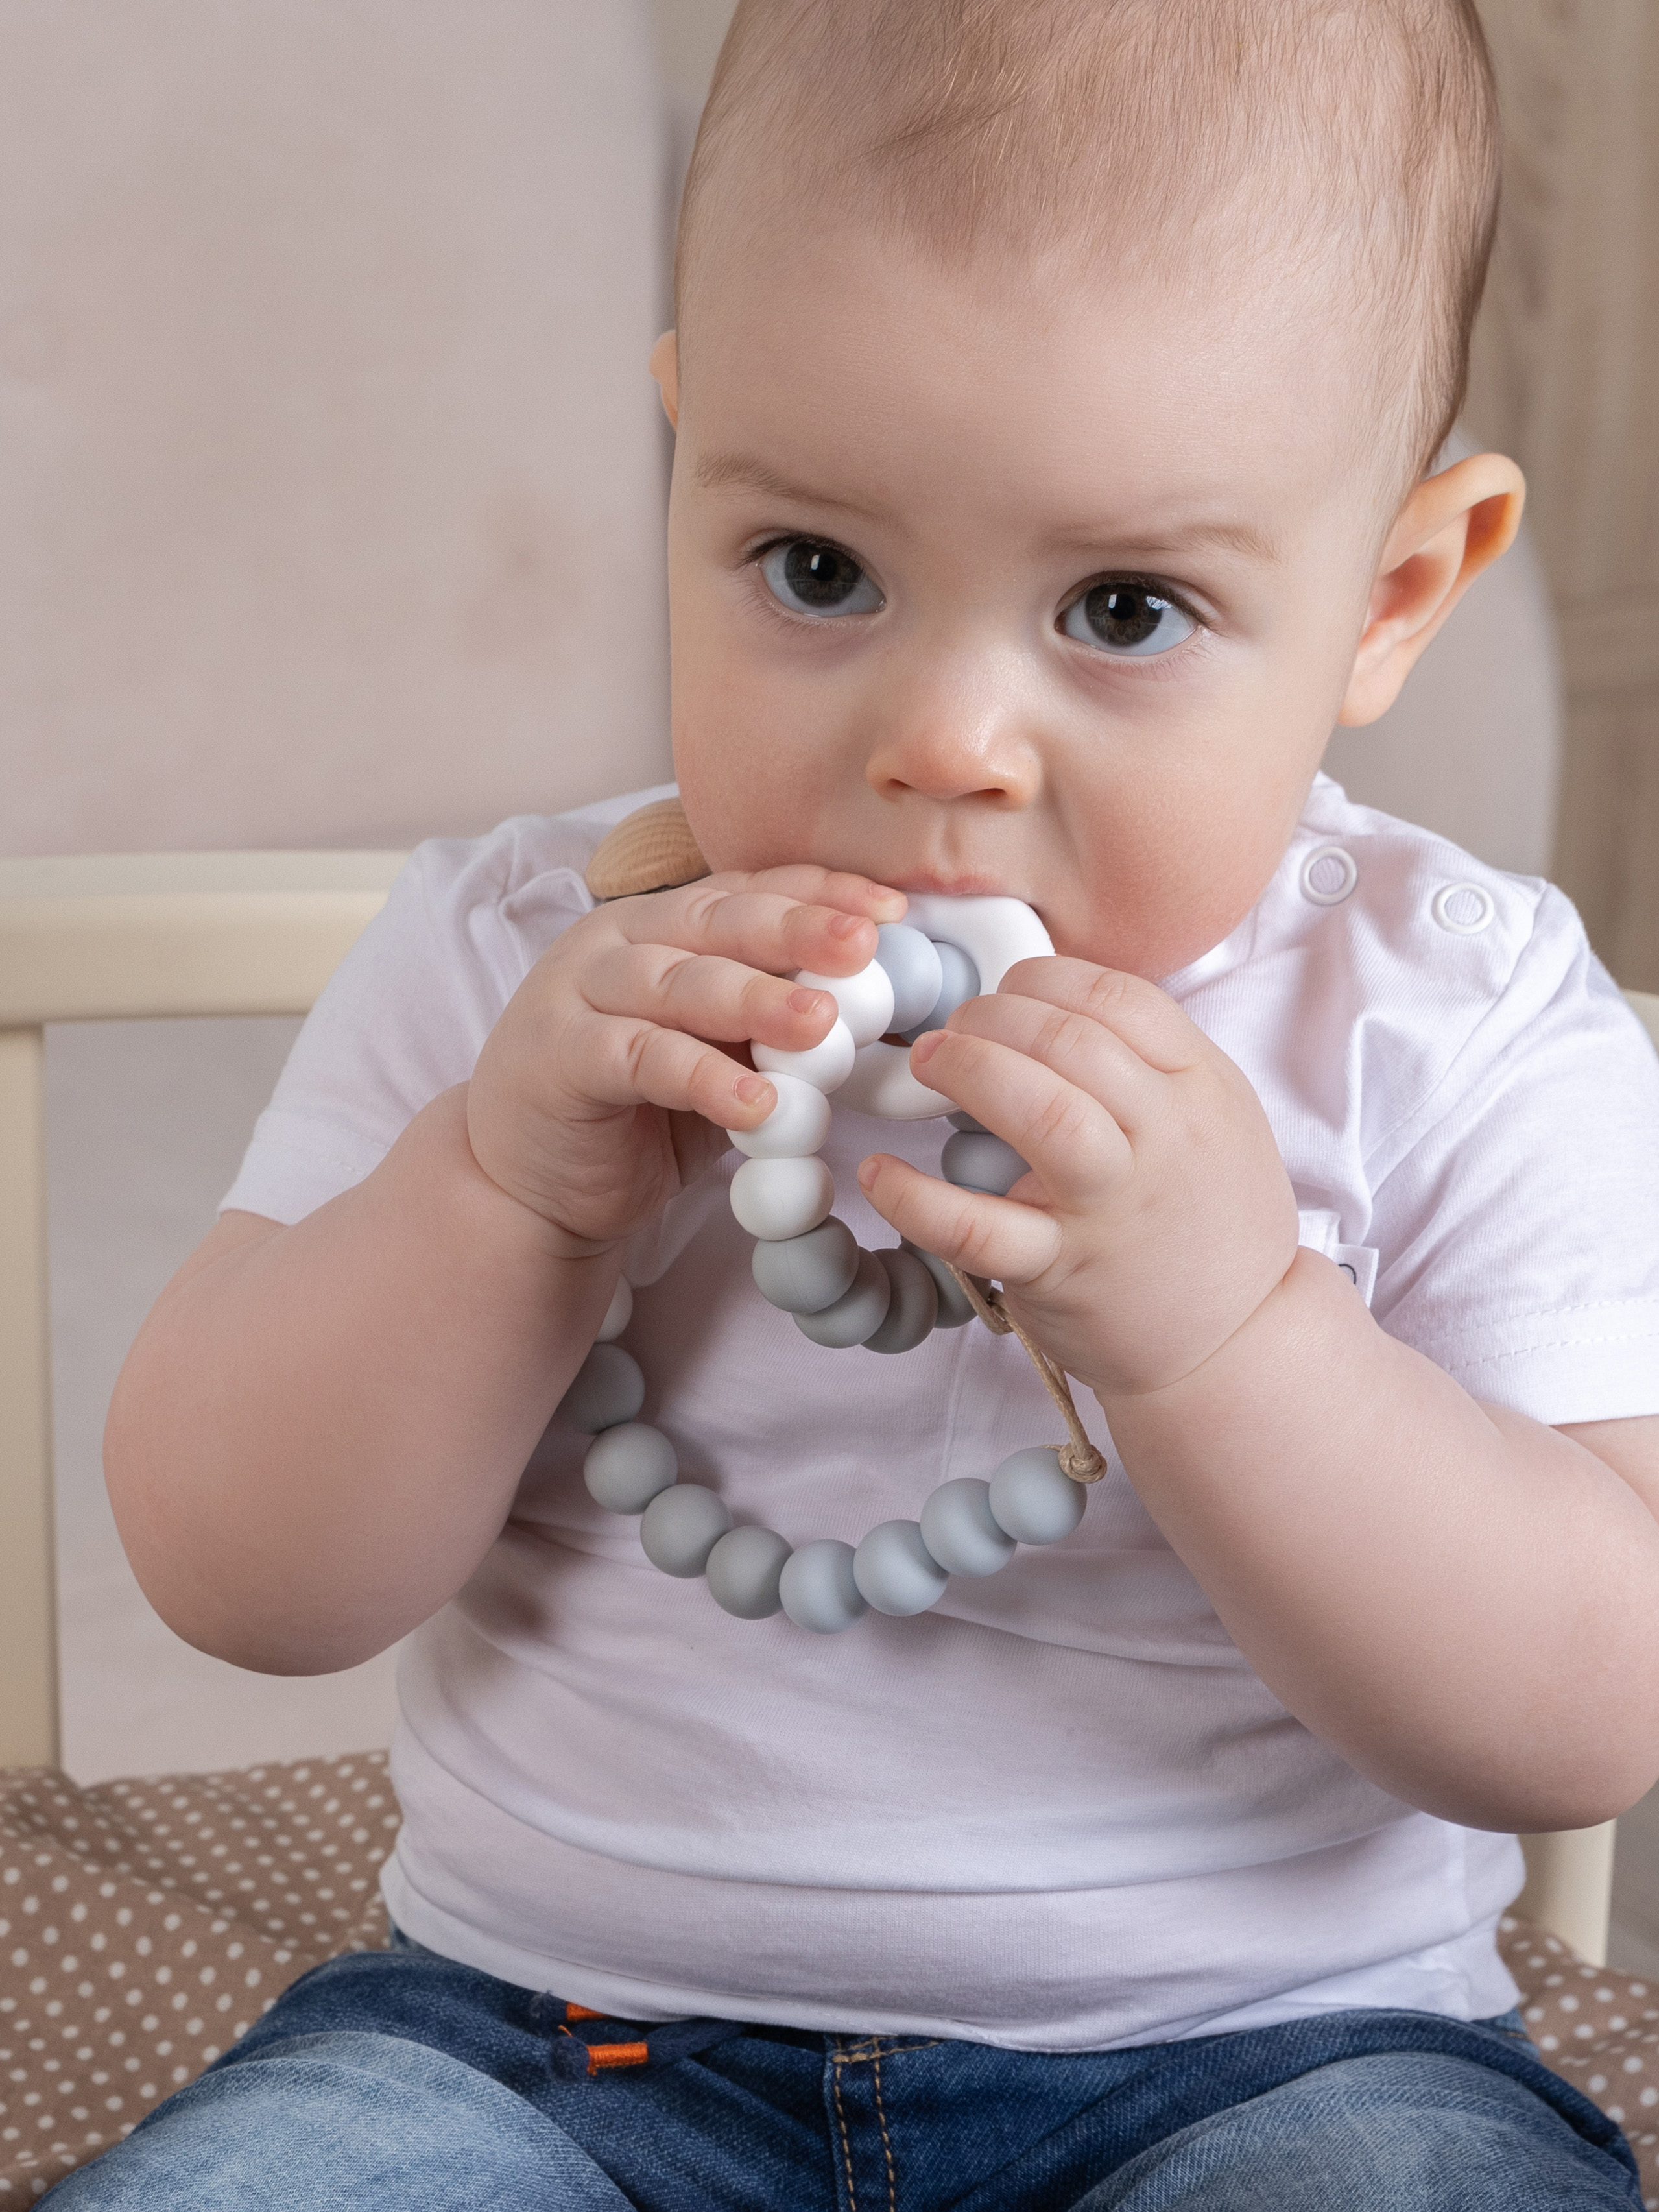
404, 1016
1518, 1217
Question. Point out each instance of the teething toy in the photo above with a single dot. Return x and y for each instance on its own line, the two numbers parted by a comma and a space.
808, 1264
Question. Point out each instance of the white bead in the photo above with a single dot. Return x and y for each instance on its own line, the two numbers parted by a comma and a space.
1032, 1497
618, 1314
776, 1199
817, 1589
881, 1084
742, 1572
826, 1067
895, 1570
797, 1125
958, 1530
682, 1527
994, 932
866, 1000
627, 1467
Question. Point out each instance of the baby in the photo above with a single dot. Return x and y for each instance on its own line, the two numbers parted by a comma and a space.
1057, 386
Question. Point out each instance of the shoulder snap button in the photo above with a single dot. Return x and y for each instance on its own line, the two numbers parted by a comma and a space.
1464, 909
1329, 874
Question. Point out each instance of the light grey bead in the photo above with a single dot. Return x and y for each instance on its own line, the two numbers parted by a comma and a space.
953, 1306
914, 969
961, 982
817, 1589
914, 1308
682, 1527
895, 1570
973, 1162
804, 1274
608, 1389
1033, 1498
966, 1121
857, 1314
959, 1530
742, 1572
628, 1465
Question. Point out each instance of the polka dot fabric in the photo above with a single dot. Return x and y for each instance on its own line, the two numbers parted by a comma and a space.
145, 1925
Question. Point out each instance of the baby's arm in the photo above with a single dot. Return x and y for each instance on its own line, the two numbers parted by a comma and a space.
1464, 1603
319, 1431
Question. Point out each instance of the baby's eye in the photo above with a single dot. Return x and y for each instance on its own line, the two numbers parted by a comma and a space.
1127, 619
811, 577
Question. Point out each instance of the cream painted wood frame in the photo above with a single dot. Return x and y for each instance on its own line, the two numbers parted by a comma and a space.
161, 934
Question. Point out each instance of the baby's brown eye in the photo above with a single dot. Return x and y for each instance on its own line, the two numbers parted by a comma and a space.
810, 576
1127, 617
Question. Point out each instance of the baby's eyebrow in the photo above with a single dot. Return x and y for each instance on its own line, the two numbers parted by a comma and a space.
1155, 541
715, 471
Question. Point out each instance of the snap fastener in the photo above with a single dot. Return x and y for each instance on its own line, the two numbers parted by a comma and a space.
1329, 874
1464, 909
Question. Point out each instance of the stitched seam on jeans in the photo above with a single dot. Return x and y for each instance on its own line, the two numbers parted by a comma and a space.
846, 2146
886, 2141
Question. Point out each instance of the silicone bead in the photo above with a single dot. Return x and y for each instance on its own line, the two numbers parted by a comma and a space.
804, 1274
682, 1527
628, 1465
1033, 1499
961, 982
866, 1000
968, 1125
780, 1199
913, 966
954, 1311
826, 1067
607, 1390
857, 1314
881, 1084
994, 932
973, 1162
817, 1587
742, 1572
895, 1570
797, 1125
959, 1531
914, 1308
618, 1314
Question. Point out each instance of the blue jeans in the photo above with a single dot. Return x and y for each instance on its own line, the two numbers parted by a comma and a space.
399, 2082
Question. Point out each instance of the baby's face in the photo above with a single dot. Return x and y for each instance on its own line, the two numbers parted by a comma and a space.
986, 584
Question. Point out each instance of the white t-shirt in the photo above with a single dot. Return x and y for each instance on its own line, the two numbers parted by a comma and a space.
1059, 1812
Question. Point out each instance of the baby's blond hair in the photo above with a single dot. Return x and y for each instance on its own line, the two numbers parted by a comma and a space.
1358, 137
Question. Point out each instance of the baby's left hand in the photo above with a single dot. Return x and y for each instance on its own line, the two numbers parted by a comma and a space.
1158, 1215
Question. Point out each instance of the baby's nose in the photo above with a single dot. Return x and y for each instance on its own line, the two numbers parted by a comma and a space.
952, 733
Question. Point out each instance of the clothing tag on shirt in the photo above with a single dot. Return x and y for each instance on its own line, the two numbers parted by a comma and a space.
1321, 1232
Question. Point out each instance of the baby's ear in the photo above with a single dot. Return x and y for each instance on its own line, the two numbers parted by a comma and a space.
666, 368
1453, 525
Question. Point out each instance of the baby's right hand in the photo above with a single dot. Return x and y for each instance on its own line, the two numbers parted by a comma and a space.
599, 1093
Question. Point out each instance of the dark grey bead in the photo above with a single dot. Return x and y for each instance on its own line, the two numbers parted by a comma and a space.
961, 982
804, 1274
608, 1389
914, 1308
742, 1572
682, 1527
817, 1589
954, 1311
966, 1121
628, 1465
973, 1162
855, 1316
1033, 1499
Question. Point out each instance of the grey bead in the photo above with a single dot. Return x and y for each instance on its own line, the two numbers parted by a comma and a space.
958, 1528
608, 1389
954, 1309
973, 1162
628, 1465
914, 1307
913, 970
817, 1589
895, 1570
966, 1121
1032, 1497
961, 982
804, 1274
742, 1572
682, 1527
857, 1314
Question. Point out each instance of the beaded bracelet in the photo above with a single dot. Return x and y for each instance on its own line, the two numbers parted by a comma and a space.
807, 1263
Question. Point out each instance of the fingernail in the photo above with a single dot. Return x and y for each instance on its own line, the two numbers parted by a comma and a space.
806, 1001
846, 925
868, 1170
753, 1090
925, 1047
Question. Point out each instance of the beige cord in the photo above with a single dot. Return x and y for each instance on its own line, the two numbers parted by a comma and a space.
1078, 1458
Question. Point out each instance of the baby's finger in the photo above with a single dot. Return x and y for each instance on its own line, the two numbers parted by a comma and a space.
632, 1063
1082, 1052
995, 1237
707, 997
726, 918
1147, 1019
1074, 1144
832, 887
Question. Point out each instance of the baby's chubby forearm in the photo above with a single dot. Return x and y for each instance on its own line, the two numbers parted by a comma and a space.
1464, 1604
319, 1432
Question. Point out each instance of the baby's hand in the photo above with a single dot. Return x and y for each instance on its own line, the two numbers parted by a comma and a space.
602, 1089
1157, 1215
